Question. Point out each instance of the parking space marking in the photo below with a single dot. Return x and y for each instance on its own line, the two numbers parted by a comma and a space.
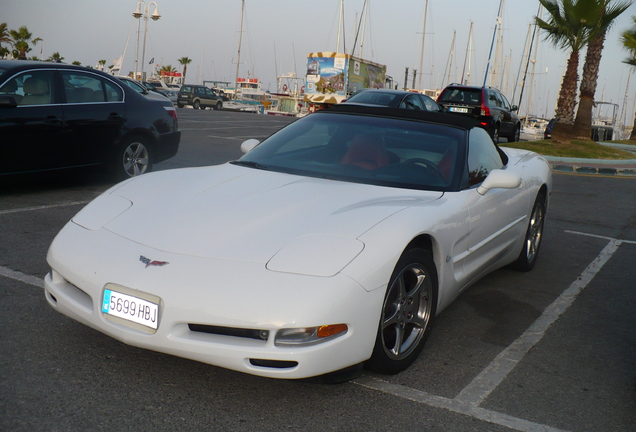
21, 277
44, 207
468, 401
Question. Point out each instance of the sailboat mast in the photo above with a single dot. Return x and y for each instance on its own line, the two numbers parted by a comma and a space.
494, 36
469, 47
419, 78
238, 62
340, 28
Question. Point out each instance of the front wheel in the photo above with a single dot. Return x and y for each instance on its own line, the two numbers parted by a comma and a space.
133, 158
407, 313
218, 106
528, 256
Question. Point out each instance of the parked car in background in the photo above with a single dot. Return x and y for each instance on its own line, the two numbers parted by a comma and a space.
172, 95
547, 134
487, 104
394, 99
55, 116
370, 221
199, 97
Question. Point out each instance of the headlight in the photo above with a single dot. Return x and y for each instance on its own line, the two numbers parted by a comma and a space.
309, 335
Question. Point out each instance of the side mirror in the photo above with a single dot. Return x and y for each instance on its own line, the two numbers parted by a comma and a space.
8, 102
499, 179
514, 108
248, 145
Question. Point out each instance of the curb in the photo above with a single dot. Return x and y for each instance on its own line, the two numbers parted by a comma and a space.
615, 171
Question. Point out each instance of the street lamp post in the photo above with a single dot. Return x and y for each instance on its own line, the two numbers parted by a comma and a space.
145, 14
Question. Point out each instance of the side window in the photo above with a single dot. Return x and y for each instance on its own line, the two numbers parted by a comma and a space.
483, 156
505, 102
200, 91
81, 88
31, 88
430, 104
493, 101
412, 102
114, 93
209, 93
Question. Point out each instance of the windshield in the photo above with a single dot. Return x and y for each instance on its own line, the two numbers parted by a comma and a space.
365, 149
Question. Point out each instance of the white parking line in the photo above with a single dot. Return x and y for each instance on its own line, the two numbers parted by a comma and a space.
21, 277
468, 400
44, 207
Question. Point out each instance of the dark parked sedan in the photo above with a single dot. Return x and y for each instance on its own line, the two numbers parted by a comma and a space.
394, 99
55, 116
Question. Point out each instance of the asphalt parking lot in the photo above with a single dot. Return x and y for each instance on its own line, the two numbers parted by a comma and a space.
549, 350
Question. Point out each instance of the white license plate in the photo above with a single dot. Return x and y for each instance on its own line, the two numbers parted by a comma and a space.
130, 308
459, 110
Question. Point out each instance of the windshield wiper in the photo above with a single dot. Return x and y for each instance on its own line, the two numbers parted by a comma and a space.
250, 164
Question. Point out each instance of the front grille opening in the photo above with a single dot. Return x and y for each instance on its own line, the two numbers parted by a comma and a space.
277, 364
230, 331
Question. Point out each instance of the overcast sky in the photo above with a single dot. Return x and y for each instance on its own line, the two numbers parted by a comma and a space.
278, 35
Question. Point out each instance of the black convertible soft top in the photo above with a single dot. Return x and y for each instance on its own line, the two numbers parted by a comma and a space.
461, 122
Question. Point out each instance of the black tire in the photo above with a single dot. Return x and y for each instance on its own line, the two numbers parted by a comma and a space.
407, 313
134, 157
180, 105
532, 241
196, 104
218, 106
516, 136
495, 134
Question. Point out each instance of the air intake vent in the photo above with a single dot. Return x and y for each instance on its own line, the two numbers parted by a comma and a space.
277, 364
230, 331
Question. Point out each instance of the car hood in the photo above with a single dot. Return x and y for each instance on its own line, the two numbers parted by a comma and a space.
239, 213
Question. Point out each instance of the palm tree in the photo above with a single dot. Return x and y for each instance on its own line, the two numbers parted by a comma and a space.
628, 39
185, 61
167, 68
21, 40
102, 64
606, 14
567, 28
55, 57
5, 37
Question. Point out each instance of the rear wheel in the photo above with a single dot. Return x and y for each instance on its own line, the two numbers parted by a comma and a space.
516, 136
495, 134
133, 158
528, 256
196, 104
407, 313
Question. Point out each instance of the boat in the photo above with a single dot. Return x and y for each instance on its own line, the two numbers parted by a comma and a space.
604, 125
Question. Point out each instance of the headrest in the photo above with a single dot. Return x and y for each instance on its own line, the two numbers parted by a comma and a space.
35, 86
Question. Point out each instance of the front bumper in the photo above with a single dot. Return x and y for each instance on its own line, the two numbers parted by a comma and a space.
205, 292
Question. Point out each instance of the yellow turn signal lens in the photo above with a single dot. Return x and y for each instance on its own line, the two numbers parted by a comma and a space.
330, 330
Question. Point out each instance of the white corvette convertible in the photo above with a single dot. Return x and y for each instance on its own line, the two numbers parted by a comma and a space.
331, 244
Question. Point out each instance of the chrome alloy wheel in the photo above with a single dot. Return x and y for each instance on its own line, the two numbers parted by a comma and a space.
136, 159
406, 312
535, 232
